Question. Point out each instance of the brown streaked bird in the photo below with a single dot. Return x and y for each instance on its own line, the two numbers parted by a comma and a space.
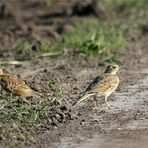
15, 85
102, 85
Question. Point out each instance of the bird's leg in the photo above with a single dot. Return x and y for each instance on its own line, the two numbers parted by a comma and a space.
95, 103
107, 102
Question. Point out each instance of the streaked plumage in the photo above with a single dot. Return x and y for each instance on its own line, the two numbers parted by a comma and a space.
102, 85
15, 85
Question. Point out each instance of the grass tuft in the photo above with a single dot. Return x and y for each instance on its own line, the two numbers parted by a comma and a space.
96, 38
134, 7
60, 91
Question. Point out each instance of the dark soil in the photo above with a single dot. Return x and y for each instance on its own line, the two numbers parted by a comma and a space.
81, 126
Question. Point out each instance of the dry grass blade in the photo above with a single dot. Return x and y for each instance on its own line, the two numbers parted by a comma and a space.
13, 62
49, 54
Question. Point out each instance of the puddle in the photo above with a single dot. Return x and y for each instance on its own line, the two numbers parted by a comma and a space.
98, 141
137, 124
135, 96
105, 142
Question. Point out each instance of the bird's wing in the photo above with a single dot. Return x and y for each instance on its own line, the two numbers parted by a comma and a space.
101, 83
92, 84
12, 82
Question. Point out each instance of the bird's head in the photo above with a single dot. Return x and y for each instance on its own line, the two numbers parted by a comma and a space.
112, 69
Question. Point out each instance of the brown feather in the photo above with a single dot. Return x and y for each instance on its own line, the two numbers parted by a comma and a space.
17, 86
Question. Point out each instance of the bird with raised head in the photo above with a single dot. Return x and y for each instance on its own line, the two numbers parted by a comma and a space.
103, 85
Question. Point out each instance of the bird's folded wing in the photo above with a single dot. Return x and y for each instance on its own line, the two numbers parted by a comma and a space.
101, 83
11, 81
93, 83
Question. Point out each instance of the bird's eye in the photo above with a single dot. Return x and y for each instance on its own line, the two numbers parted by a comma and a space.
114, 67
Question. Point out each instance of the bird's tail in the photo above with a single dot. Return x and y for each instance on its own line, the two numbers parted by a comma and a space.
36, 94
83, 97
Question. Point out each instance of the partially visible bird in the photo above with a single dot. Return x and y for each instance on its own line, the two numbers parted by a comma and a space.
15, 85
102, 85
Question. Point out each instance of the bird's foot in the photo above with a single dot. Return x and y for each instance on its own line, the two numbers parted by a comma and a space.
109, 107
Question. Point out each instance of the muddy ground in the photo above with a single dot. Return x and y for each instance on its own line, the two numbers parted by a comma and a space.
126, 125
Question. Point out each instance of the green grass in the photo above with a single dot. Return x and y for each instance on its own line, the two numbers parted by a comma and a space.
60, 91
46, 47
94, 38
48, 3
17, 117
24, 49
97, 38
15, 109
19, 120
131, 6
